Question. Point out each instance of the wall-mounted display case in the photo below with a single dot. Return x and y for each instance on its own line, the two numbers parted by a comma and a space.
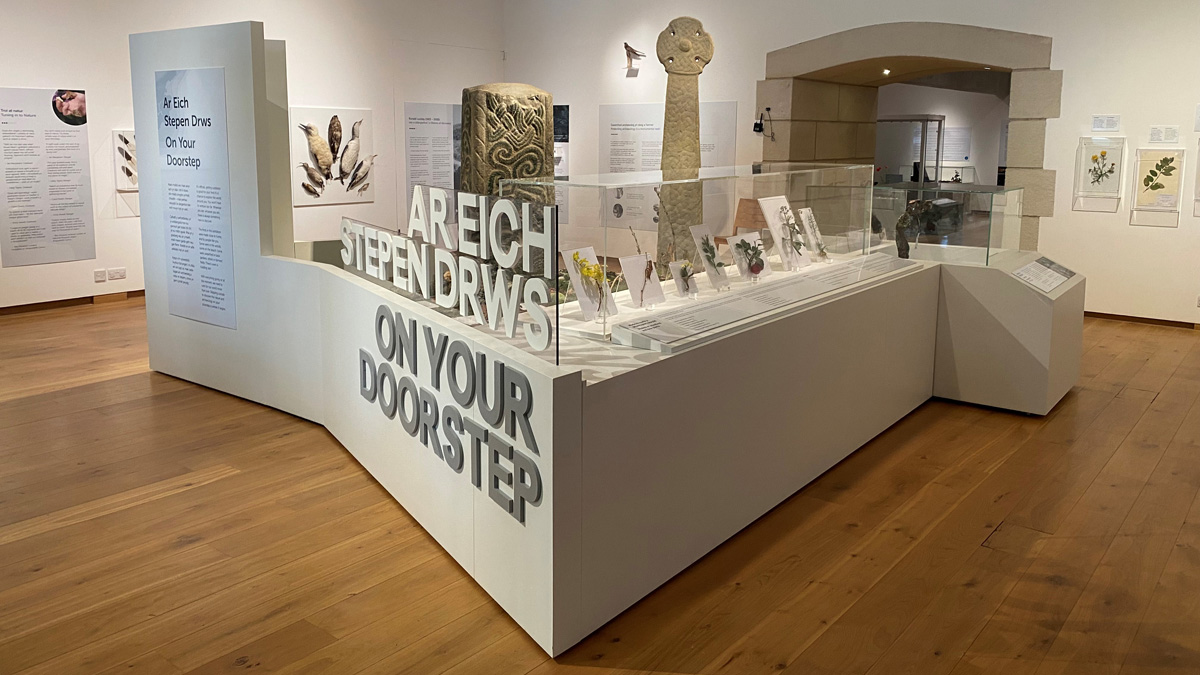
947, 222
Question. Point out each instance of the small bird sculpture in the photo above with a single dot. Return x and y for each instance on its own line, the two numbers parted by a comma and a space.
359, 176
319, 149
314, 176
631, 55
350, 155
335, 136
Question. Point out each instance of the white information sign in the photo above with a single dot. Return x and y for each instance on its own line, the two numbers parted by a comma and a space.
1164, 134
956, 144
193, 147
678, 325
433, 145
631, 136
1106, 123
45, 178
1044, 274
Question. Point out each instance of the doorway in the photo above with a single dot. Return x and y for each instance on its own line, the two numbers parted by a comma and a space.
825, 98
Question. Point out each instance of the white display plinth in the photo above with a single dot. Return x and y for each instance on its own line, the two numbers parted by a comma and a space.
640, 473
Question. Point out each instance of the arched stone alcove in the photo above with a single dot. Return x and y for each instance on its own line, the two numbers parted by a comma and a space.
822, 94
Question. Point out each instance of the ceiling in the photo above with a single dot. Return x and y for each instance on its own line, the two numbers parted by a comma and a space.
902, 69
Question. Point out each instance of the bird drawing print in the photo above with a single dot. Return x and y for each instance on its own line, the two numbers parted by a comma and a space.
335, 169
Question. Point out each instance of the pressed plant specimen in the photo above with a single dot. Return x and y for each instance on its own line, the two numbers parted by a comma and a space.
686, 273
793, 235
1101, 168
752, 251
1164, 167
594, 282
710, 253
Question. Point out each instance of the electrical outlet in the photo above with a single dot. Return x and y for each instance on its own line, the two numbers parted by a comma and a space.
115, 273
100, 276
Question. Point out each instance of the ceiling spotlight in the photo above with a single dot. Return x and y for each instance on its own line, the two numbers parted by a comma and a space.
886, 72
987, 67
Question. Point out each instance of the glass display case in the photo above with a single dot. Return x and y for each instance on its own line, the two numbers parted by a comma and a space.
947, 222
639, 243
552, 266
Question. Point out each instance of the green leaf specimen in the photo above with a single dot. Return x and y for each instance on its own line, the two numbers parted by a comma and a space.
1164, 167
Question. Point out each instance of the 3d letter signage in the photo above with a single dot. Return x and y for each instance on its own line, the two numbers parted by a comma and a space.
496, 452
482, 276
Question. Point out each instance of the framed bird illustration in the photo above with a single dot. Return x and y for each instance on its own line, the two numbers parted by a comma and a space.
125, 163
333, 156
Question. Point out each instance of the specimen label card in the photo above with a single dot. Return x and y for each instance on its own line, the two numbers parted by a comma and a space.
1164, 134
1106, 123
45, 178
193, 148
676, 325
1044, 274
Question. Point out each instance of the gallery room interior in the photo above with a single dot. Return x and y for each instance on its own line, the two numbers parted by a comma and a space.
536, 337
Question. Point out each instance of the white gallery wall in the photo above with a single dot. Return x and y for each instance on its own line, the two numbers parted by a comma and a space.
354, 54
573, 50
377, 54
984, 114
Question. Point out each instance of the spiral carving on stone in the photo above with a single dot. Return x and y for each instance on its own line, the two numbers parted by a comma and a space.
507, 133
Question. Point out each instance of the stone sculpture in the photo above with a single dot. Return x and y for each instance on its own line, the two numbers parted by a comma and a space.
507, 132
914, 217
684, 49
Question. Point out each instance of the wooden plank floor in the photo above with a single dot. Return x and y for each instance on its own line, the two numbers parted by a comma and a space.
148, 525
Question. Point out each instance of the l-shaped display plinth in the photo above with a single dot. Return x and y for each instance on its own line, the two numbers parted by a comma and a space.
639, 471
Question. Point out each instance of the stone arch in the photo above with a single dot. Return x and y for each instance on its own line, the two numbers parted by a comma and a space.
822, 95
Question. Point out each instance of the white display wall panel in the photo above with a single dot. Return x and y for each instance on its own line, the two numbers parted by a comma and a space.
302, 325
634, 486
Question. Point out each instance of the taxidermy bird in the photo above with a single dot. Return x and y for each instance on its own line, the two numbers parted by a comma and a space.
319, 149
350, 156
361, 172
363, 189
132, 176
132, 145
310, 190
314, 176
335, 136
128, 157
631, 55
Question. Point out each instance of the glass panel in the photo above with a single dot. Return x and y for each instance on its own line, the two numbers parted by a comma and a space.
606, 219
947, 222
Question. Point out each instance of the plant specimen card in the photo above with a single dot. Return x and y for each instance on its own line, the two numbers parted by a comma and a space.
785, 230
641, 277
683, 273
714, 268
749, 256
1098, 166
1159, 174
812, 234
589, 281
